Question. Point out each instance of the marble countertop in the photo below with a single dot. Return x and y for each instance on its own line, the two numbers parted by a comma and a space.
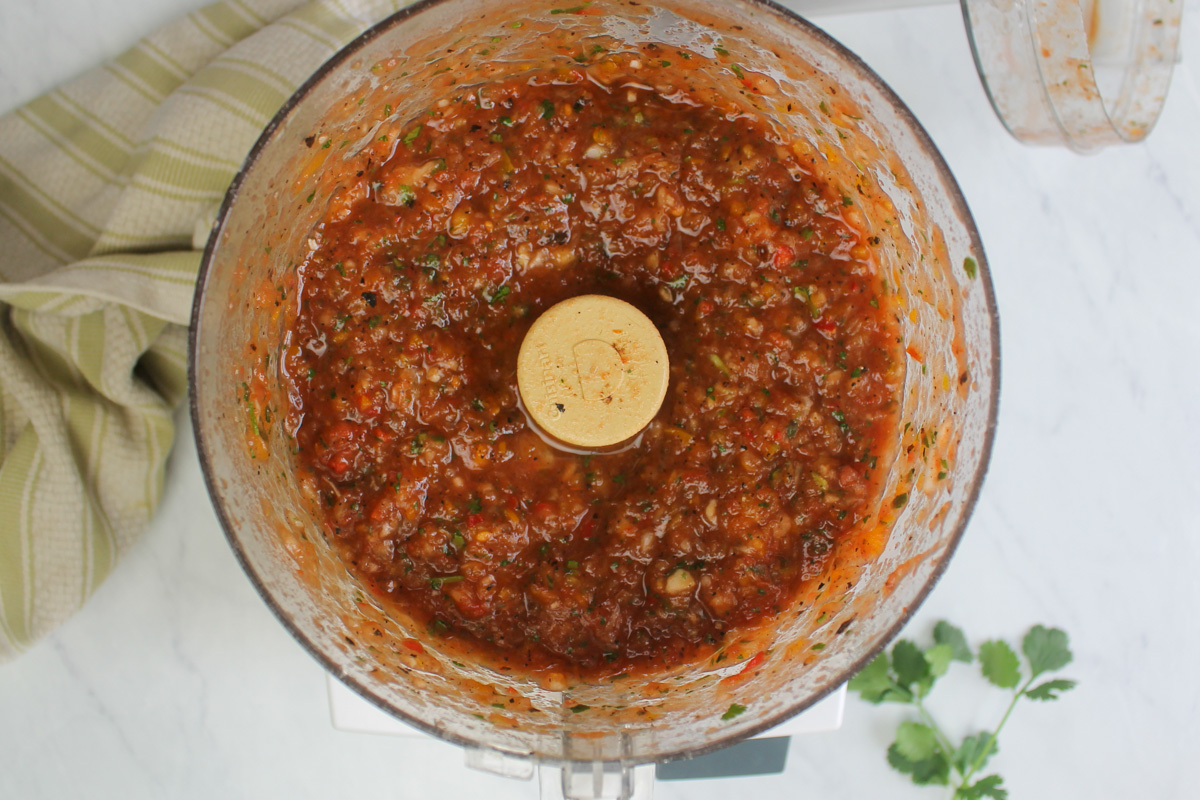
175, 681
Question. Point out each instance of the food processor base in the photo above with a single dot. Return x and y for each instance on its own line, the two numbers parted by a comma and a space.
765, 754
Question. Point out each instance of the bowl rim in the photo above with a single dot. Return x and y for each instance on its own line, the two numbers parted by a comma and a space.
770, 719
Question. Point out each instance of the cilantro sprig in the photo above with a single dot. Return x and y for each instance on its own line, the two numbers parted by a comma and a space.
921, 749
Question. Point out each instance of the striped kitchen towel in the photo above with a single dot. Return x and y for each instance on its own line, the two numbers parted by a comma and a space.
108, 187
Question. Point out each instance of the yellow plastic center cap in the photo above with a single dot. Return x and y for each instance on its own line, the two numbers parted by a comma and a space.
592, 371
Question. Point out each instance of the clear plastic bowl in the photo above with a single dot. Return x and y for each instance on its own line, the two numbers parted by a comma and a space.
928, 249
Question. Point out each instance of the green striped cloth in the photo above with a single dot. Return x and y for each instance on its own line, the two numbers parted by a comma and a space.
108, 187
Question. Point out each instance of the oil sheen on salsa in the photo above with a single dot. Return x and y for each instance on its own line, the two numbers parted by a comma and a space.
400, 366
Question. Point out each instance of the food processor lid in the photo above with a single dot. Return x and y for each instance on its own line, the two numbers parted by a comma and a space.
1084, 74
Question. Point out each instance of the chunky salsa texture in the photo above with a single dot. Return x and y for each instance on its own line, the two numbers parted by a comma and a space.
400, 369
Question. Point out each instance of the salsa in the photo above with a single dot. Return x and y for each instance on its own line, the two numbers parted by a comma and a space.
489, 208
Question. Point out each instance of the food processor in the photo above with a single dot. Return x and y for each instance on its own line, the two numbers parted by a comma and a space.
927, 249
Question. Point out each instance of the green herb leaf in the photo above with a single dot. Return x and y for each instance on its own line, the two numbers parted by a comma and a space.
499, 295
1050, 690
874, 681
909, 663
970, 267
900, 500
945, 633
897, 695
412, 135
1047, 649
547, 109
571, 10
734, 710
991, 786
933, 770
578, 708
939, 657
999, 664
971, 749
916, 741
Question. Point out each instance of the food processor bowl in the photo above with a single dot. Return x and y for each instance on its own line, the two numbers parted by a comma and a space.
925, 245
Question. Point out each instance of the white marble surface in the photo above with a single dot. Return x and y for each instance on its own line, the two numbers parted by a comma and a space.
175, 681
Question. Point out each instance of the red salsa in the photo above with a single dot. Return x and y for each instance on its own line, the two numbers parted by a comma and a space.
401, 357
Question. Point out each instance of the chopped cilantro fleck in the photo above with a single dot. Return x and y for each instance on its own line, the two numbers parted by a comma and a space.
734, 710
